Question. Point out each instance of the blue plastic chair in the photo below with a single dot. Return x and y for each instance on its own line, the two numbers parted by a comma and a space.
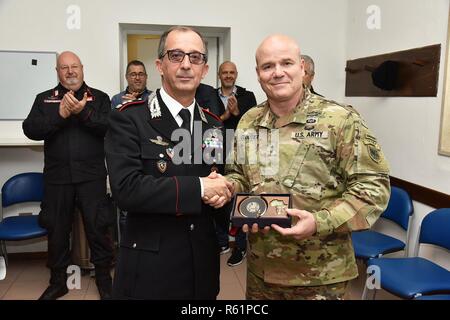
21, 188
434, 297
372, 244
410, 278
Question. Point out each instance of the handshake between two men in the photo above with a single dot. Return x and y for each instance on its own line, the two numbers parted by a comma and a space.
217, 190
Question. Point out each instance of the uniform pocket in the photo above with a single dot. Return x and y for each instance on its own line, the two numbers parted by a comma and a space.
256, 180
308, 174
153, 151
156, 159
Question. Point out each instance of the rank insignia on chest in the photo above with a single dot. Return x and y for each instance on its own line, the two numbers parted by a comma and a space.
311, 120
159, 141
213, 139
53, 98
162, 166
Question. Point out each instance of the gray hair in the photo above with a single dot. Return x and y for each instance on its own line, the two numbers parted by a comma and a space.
310, 62
162, 40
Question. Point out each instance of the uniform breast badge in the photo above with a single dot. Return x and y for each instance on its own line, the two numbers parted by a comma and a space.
162, 166
159, 141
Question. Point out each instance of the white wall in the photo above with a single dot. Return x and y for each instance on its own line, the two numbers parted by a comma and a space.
407, 128
41, 26
319, 26
331, 31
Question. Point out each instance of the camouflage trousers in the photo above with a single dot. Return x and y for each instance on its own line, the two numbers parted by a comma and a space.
257, 289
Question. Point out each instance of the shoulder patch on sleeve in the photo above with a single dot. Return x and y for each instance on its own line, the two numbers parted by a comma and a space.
128, 104
212, 115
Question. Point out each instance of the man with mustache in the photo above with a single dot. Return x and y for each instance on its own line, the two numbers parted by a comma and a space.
168, 248
330, 163
72, 120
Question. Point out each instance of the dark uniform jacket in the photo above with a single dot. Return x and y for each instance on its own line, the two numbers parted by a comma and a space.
207, 98
168, 248
73, 147
246, 100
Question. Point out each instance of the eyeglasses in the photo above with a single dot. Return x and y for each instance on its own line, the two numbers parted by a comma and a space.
177, 56
134, 75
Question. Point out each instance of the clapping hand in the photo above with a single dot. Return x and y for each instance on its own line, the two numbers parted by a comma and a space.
233, 106
130, 96
74, 105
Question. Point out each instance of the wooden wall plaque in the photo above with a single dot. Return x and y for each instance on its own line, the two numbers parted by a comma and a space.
418, 71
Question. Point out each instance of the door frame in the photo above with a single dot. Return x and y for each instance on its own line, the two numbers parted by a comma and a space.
221, 33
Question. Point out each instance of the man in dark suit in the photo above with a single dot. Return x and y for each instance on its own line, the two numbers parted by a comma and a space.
207, 98
234, 102
168, 248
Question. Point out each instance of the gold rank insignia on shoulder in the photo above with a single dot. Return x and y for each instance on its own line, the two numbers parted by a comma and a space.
162, 166
159, 141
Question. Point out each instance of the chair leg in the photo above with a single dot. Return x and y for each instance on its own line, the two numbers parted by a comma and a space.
4, 253
364, 294
374, 294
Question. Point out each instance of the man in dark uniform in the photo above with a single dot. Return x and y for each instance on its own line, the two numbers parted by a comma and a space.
168, 248
207, 98
72, 121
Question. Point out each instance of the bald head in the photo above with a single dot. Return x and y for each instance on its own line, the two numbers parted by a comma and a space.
277, 42
70, 70
227, 64
65, 56
227, 75
280, 72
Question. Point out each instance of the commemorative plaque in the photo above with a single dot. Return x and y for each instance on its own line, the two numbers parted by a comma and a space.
264, 209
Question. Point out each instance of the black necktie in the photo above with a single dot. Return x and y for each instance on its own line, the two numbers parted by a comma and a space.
185, 114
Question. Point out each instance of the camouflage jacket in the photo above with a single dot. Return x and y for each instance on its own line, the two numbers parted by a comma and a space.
333, 167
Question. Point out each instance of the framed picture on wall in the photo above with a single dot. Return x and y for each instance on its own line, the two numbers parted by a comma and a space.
444, 134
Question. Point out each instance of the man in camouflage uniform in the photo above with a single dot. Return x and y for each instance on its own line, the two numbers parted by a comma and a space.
331, 165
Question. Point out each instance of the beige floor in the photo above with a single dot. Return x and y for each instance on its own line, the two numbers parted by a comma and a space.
26, 280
